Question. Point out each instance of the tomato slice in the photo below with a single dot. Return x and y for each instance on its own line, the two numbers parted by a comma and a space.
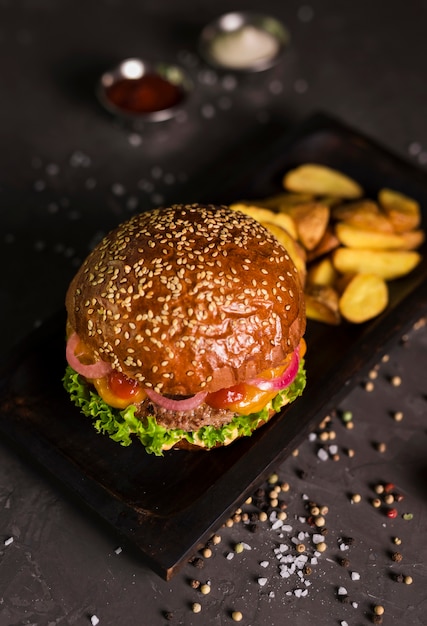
118, 390
225, 397
243, 399
122, 386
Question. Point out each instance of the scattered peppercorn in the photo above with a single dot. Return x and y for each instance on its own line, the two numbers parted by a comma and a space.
407, 516
273, 478
195, 584
399, 578
198, 563
347, 416
344, 562
168, 615
392, 513
377, 619
396, 557
237, 616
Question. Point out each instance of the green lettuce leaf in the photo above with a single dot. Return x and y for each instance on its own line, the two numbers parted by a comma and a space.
123, 426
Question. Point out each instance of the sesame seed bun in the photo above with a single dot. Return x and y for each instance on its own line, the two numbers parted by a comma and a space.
188, 298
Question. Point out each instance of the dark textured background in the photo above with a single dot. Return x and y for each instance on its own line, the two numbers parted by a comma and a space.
68, 172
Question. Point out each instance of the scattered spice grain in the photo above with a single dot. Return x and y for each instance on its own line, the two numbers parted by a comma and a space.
196, 607
237, 616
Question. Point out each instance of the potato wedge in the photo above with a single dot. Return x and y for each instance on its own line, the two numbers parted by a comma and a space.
321, 180
265, 215
281, 201
364, 214
387, 264
311, 220
365, 297
412, 239
355, 237
328, 243
363, 208
321, 304
294, 249
322, 273
403, 212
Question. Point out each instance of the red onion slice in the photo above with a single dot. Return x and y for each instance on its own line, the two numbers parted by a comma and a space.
94, 370
176, 405
282, 381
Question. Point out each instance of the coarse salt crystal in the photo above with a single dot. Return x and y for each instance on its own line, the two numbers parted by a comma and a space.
354, 605
287, 528
262, 581
264, 564
333, 449
342, 591
312, 437
8, 541
343, 623
94, 620
229, 556
322, 454
343, 547
118, 550
277, 524
246, 546
318, 538
355, 576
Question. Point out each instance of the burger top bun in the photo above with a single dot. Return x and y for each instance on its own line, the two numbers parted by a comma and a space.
188, 298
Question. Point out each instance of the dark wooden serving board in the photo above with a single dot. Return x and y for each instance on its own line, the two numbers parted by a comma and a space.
167, 507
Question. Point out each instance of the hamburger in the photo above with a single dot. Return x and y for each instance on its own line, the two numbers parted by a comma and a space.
185, 329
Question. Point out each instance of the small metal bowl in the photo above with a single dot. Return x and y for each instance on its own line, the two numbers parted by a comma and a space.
132, 71
220, 40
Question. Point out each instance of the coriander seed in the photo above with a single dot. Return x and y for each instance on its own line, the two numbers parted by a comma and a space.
379, 609
205, 589
196, 607
237, 616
